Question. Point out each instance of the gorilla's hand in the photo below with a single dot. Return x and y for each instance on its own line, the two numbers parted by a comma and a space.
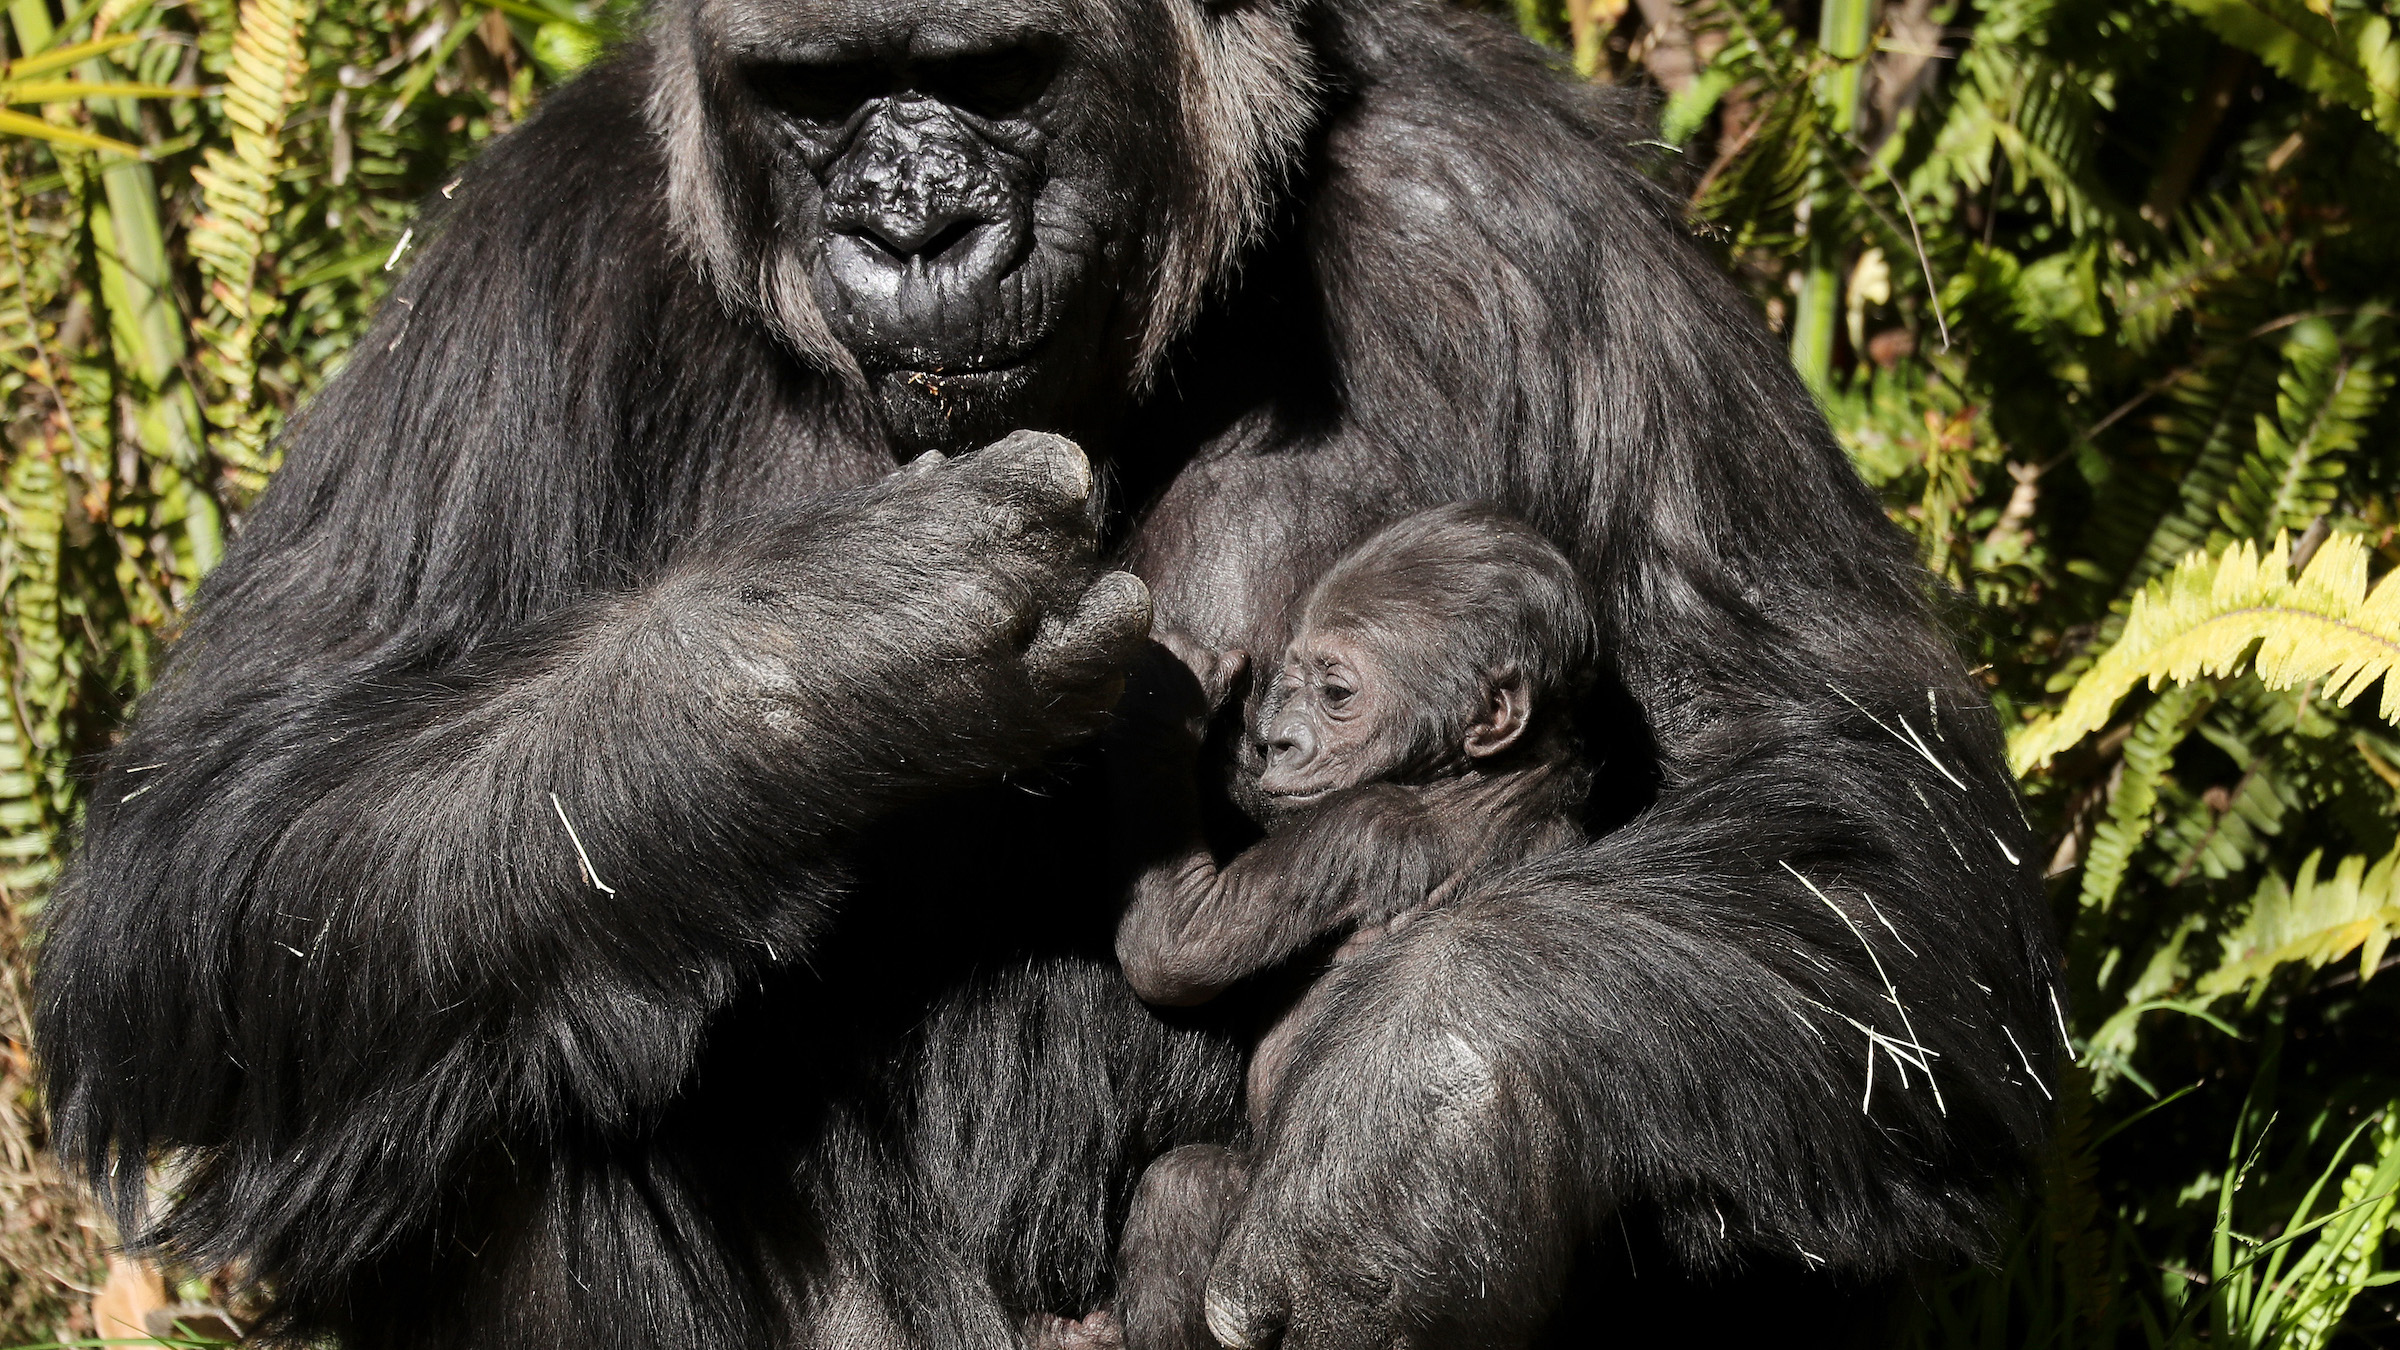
1408, 1191
947, 622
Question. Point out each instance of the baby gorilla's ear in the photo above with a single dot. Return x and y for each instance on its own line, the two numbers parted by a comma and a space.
1500, 722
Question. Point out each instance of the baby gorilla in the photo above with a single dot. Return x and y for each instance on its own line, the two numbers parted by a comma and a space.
1418, 737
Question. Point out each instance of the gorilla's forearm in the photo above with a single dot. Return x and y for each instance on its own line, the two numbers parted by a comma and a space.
513, 886
380, 888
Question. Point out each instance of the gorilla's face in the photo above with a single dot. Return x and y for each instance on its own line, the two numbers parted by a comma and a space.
992, 213
952, 240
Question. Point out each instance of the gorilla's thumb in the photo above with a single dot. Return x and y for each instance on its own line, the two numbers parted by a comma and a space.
1247, 1302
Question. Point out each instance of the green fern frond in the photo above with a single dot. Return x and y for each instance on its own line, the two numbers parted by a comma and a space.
2151, 510
1763, 185
2329, 389
2321, 1292
2204, 432
2312, 919
2040, 118
2148, 753
2218, 239
2207, 427
1758, 43
2206, 616
265, 80
2349, 57
2219, 833
38, 684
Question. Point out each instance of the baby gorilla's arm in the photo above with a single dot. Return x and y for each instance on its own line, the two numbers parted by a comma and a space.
1194, 928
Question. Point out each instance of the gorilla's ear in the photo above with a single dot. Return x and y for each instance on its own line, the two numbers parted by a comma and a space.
1500, 722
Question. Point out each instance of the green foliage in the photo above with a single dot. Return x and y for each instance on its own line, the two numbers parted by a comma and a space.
2118, 352
2343, 52
2216, 615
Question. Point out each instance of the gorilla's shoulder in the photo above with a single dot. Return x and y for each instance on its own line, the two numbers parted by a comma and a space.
586, 156
1445, 127
1465, 80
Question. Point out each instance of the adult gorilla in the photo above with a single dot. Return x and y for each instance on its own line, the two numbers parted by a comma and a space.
609, 864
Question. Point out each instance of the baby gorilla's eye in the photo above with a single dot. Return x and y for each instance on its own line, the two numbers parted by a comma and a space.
1334, 694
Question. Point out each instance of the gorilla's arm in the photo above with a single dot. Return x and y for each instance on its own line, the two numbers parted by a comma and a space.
1192, 927
1678, 1018
496, 760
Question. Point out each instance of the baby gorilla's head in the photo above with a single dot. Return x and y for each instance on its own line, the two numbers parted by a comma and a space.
1437, 646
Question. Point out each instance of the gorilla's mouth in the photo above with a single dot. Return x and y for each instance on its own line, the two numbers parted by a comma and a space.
918, 368
925, 333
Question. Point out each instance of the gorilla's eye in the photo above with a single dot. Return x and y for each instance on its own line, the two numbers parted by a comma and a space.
826, 92
995, 84
1335, 695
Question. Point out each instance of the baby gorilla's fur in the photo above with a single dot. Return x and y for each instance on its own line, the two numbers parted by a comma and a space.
1419, 736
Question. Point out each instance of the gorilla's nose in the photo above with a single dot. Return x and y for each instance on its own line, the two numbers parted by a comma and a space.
917, 184
1290, 743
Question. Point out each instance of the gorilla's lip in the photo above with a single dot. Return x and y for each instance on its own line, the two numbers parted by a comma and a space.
951, 370
1303, 797
911, 363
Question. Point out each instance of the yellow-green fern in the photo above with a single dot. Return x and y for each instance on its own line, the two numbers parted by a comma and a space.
2314, 919
37, 668
2204, 618
264, 80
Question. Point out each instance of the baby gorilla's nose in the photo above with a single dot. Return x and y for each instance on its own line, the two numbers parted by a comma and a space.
1290, 744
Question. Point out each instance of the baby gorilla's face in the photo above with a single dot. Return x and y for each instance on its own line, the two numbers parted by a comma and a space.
1336, 717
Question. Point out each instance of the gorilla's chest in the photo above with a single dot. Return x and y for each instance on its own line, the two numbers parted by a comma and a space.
989, 877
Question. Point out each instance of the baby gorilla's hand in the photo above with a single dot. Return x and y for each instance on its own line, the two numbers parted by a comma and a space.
1215, 670
1176, 685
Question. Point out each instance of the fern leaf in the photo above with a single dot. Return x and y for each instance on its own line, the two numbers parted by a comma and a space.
2208, 426
2218, 834
2149, 751
2346, 56
2346, 1258
39, 677
265, 80
2041, 118
1757, 41
2206, 616
2329, 389
2313, 919
2218, 239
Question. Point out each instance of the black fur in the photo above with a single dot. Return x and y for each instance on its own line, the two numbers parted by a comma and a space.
840, 1058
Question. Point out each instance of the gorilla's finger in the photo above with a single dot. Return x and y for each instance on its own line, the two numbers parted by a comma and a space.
1102, 632
1047, 477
